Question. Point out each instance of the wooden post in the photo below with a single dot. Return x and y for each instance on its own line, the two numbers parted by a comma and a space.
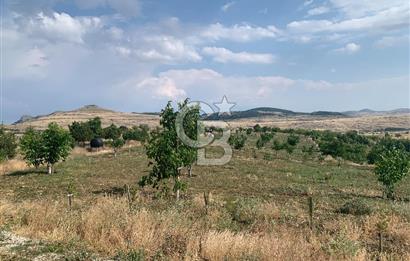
127, 189
70, 201
310, 202
380, 242
206, 201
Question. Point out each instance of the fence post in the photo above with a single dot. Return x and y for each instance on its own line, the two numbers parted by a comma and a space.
206, 201
70, 201
310, 202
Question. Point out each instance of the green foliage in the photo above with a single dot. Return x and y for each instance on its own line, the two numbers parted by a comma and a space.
81, 131
50, 146
349, 146
133, 255
111, 132
257, 128
56, 144
140, 133
277, 145
392, 166
355, 207
31, 145
249, 131
263, 139
237, 140
95, 126
117, 143
85, 131
8, 145
293, 139
167, 153
387, 143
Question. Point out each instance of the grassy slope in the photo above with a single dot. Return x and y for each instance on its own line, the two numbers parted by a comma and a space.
283, 180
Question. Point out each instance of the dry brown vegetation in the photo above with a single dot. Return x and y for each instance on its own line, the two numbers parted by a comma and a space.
186, 232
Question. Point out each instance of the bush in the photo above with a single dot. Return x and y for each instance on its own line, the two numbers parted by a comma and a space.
355, 207
111, 132
8, 145
264, 138
140, 133
293, 139
237, 140
243, 211
391, 167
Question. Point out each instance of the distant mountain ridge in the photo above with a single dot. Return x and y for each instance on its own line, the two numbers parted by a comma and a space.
245, 114
268, 111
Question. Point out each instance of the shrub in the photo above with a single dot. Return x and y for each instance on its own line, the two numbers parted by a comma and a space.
111, 132
80, 131
293, 139
243, 211
355, 207
391, 167
263, 139
237, 140
8, 145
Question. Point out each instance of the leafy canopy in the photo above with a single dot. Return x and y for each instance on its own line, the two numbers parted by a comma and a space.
8, 145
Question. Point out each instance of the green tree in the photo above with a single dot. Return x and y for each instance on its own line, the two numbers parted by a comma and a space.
95, 126
188, 153
81, 132
391, 167
31, 146
111, 132
8, 145
293, 139
117, 144
56, 145
237, 140
166, 151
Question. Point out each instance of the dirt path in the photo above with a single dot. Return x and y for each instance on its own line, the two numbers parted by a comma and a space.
17, 248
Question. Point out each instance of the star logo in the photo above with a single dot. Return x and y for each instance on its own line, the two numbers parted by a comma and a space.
224, 107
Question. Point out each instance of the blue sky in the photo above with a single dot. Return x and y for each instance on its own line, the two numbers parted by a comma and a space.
135, 55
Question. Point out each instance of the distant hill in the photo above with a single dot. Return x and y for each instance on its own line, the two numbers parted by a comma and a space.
365, 120
368, 112
65, 118
266, 112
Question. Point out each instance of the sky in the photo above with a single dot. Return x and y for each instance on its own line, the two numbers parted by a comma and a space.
135, 55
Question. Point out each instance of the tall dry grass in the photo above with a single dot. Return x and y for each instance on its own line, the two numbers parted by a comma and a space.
12, 166
108, 226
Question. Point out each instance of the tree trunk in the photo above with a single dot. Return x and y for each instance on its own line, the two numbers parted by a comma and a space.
178, 190
190, 170
49, 168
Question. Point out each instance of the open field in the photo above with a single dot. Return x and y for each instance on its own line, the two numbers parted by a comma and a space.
258, 210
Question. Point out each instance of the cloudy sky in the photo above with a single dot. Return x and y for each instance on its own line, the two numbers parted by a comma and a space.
134, 55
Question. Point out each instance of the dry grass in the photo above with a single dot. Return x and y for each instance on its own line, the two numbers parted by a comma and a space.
12, 166
108, 226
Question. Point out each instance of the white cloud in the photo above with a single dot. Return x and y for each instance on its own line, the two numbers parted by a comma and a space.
390, 41
357, 9
383, 21
318, 10
163, 87
226, 6
308, 2
62, 27
223, 55
349, 48
162, 49
239, 33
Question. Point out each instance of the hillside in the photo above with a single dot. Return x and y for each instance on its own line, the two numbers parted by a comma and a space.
64, 118
364, 120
